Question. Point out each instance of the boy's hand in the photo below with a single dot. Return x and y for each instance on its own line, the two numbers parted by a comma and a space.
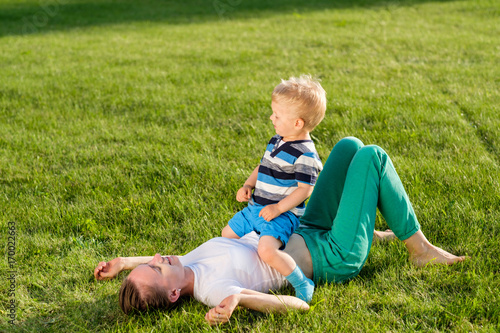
270, 212
244, 193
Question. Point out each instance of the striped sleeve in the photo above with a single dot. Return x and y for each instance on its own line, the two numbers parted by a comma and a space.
307, 168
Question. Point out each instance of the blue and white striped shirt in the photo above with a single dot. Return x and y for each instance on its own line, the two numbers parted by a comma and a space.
282, 167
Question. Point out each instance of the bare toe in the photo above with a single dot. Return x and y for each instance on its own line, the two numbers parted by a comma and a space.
435, 256
383, 236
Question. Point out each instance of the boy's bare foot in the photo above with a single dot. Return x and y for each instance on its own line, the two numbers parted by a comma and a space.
383, 236
422, 252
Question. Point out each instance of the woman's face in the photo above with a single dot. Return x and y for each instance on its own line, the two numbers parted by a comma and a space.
166, 272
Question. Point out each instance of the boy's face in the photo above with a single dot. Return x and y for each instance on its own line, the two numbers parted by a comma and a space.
285, 121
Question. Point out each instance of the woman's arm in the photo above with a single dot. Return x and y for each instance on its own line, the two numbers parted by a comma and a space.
253, 300
109, 270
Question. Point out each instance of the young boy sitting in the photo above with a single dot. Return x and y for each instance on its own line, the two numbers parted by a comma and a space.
284, 179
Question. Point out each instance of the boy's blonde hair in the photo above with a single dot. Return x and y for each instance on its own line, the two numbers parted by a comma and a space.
306, 95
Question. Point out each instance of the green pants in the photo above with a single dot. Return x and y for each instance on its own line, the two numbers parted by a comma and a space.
339, 220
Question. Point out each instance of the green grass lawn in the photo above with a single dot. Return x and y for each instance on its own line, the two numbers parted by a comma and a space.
126, 128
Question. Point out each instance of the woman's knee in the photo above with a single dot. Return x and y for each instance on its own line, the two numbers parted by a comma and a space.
371, 152
348, 146
350, 142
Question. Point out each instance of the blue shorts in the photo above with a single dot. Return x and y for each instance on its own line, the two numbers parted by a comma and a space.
248, 220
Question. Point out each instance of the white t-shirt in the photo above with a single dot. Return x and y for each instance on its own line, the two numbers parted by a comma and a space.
224, 267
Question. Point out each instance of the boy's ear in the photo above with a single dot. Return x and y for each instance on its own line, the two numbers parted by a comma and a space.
299, 123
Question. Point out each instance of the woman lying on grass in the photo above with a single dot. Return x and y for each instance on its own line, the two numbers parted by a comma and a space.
331, 245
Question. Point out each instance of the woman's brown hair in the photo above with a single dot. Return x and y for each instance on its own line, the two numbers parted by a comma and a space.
141, 299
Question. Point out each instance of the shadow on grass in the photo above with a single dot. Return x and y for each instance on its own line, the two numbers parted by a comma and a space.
75, 316
104, 314
60, 15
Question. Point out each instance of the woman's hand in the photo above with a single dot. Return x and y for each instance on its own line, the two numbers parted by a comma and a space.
108, 270
222, 312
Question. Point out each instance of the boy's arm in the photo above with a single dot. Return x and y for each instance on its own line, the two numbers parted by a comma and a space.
252, 179
245, 192
301, 193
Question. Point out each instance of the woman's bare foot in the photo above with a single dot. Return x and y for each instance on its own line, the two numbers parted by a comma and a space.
383, 236
434, 256
423, 253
